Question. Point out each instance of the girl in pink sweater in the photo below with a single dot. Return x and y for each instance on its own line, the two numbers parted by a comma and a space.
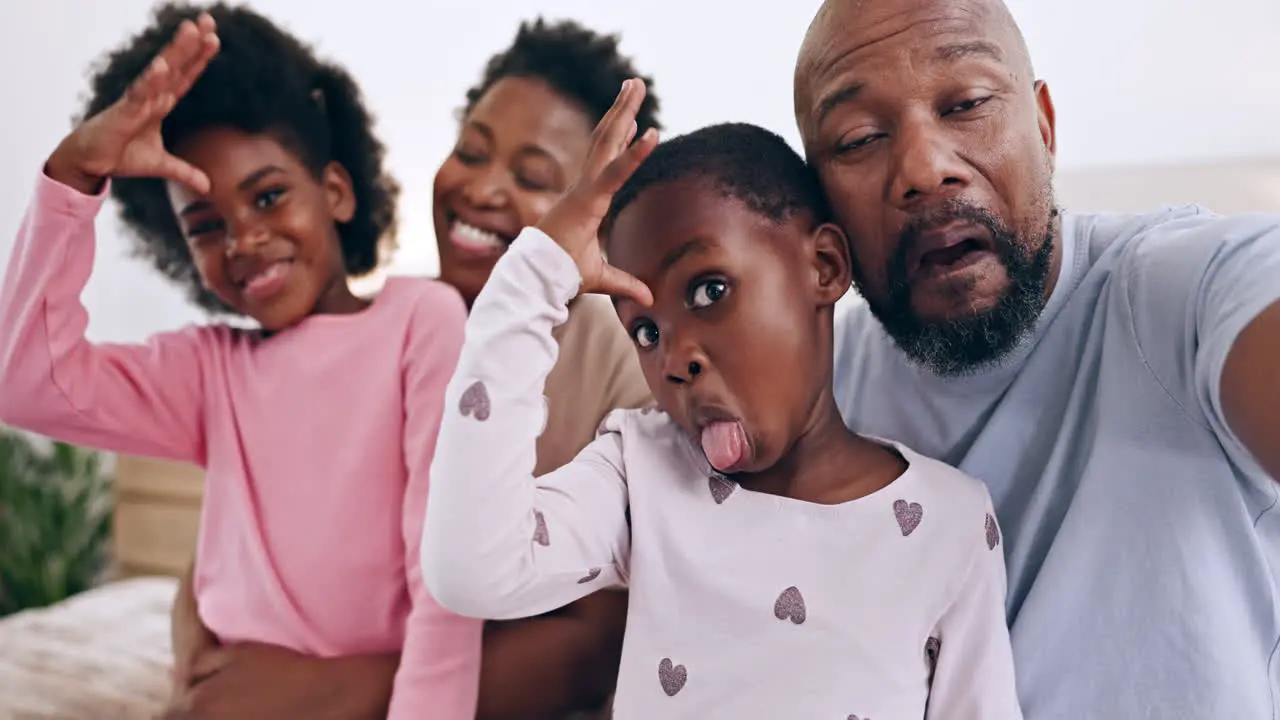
251, 176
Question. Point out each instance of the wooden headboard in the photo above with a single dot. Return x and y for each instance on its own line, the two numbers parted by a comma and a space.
157, 516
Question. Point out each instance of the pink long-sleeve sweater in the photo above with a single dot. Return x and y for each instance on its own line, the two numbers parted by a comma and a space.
316, 442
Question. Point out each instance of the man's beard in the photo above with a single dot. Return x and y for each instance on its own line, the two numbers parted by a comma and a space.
953, 348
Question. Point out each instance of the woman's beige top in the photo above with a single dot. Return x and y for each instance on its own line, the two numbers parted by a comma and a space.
157, 511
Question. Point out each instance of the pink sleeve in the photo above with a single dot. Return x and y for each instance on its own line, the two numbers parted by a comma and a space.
138, 399
439, 675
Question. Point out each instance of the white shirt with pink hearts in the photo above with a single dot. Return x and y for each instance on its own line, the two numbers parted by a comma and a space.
742, 604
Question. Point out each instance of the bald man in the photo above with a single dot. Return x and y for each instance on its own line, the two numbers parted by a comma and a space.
1115, 379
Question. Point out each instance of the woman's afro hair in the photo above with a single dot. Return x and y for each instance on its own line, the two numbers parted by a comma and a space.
583, 66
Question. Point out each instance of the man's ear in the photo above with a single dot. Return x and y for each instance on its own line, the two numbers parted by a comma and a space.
832, 262
1046, 119
339, 191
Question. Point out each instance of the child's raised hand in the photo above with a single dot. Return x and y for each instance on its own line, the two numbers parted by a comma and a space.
574, 221
124, 140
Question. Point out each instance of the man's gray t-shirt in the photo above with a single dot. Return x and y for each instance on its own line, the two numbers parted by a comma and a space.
1141, 537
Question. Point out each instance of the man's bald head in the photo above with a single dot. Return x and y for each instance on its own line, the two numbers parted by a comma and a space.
828, 37
935, 144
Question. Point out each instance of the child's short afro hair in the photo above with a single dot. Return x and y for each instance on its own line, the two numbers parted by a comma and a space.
262, 80
579, 64
745, 162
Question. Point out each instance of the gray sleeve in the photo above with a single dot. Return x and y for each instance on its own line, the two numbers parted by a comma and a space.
1193, 284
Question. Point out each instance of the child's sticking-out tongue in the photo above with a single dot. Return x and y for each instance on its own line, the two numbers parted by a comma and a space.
725, 444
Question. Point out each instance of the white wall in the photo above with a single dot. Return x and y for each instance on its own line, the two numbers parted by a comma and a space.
1141, 82
1225, 187
1136, 82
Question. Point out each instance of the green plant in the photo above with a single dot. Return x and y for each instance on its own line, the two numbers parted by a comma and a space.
55, 521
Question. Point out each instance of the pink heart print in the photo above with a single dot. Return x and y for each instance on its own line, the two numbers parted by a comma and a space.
993, 533
475, 401
591, 575
790, 606
540, 534
721, 488
671, 676
908, 515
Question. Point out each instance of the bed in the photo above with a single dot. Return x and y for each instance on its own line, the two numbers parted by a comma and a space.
105, 654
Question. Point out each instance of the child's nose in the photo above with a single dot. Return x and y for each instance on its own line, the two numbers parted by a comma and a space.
245, 239
683, 363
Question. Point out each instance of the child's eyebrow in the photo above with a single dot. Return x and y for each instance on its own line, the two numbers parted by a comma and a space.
675, 255
257, 175
194, 208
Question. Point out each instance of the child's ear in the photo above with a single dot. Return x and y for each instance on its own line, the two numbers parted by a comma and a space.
339, 191
833, 263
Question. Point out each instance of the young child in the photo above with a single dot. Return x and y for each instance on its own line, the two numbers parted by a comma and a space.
252, 177
779, 565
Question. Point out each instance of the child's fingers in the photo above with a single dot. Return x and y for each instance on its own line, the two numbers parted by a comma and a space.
596, 159
617, 283
154, 93
610, 136
146, 87
206, 24
623, 127
207, 46
609, 163
193, 71
616, 172
171, 168
186, 45
631, 135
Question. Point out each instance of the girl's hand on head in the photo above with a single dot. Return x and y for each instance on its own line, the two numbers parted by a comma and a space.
574, 221
124, 140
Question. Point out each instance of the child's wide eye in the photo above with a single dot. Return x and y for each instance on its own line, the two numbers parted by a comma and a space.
268, 198
645, 335
708, 293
